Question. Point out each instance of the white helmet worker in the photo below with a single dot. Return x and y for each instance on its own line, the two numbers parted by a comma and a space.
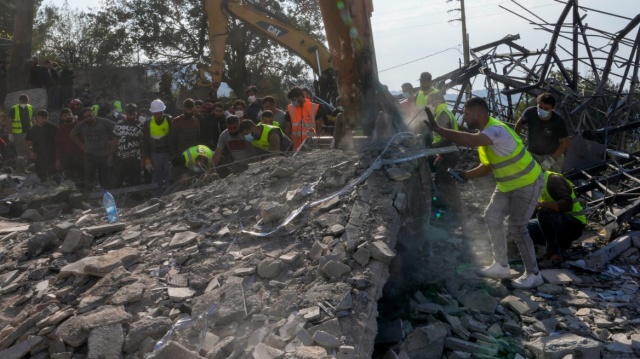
157, 106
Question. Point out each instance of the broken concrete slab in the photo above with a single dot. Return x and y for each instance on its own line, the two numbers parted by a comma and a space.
105, 228
75, 240
558, 346
183, 239
75, 330
173, 350
520, 304
180, 294
559, 276
380, 251
598, 259
21, 349
106, 342
426, 342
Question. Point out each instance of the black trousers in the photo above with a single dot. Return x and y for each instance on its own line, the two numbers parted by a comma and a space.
93, 163
126, 169
555, 230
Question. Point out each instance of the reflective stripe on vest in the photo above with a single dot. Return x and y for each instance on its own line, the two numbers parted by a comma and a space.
263, 142
193, 152
422, 99
158, 131
16, 125
576, 210
443, 107
303, 122
514, 171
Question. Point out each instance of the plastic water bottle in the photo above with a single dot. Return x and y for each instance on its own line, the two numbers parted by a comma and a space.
109, 204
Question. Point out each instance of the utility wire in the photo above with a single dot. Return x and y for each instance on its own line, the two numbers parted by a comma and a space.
437, 13
422, 58
442, 22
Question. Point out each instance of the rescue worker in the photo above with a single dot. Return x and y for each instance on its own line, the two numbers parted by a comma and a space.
269, 104
195, 160
265, 137
445, 119
157, 146
97, 134
547, 134
426, 89
19, 121
255, 103
559, 220
233, 151
303, 118
519, 184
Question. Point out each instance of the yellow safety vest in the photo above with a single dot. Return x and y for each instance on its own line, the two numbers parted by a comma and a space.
513, 171
275, 123
118, 105
576, 210
454, 124
95, 109
192, 153
422, 98
158, 131
263, 142
16, 125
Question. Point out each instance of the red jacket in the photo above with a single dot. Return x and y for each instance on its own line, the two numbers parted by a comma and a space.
64, 143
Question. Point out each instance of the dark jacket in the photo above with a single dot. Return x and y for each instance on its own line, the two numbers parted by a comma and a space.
185, 133
152, 145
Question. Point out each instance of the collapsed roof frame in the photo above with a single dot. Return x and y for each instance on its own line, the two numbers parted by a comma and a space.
517, 71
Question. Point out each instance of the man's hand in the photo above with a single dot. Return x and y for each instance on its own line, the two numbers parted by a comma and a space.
58, 165
464, 174
147, 165
431, 121
11, 137
33, 156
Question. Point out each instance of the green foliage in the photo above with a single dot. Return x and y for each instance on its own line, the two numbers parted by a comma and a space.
168, 34
86, 39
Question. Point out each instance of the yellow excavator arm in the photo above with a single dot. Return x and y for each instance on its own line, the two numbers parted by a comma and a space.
310, 50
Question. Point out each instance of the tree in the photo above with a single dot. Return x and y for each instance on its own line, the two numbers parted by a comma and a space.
84, 39
173, 33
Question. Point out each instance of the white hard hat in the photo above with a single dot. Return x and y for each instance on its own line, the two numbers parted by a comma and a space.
157, 106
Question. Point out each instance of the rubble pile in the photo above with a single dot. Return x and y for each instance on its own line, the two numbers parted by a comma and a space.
245, 268
440, 309
76, 287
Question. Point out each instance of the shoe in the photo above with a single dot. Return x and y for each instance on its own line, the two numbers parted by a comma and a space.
528, 280
496, 271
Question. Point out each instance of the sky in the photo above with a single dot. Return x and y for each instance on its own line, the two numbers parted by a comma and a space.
412, 36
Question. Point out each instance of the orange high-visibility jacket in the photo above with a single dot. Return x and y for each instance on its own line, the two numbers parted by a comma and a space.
303, 122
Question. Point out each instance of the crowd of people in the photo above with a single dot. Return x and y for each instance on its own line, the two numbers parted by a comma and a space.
107, 145
131, 144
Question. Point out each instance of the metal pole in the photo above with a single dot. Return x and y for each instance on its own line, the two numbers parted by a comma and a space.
465, 45
318, 62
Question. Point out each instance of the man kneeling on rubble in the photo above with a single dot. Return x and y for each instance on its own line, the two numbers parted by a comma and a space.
559, 219
194, 161
266, 138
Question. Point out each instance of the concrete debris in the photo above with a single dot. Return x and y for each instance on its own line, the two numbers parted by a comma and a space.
79, 287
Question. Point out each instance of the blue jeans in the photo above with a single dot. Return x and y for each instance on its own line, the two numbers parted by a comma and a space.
161, 170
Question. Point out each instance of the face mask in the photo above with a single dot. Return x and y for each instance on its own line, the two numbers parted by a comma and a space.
252, 99
142, 118
295, 103
248, 137
239, 113
406, 95
23, 105
340, 108
197, 169
542, 113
